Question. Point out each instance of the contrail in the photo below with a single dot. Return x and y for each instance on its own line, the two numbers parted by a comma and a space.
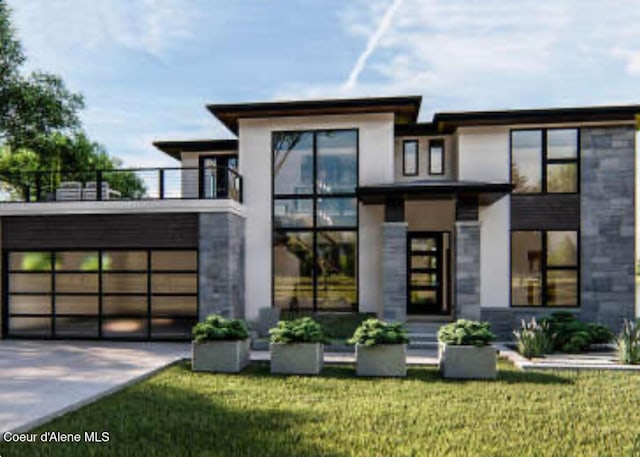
371, 45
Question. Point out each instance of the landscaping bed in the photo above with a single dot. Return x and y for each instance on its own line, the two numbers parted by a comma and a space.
180, 413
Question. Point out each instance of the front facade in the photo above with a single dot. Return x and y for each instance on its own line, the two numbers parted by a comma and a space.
339, 206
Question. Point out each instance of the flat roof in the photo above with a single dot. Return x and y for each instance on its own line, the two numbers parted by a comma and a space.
406, 108
452, 120
174, 148
487, 192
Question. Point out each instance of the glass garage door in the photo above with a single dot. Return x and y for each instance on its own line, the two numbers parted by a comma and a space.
111, 294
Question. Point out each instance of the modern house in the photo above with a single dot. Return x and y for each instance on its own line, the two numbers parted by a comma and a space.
347, 205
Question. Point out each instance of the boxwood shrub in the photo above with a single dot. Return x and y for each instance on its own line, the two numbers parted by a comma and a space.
304, 330
374, 331
465, 332
217, 328
570, 335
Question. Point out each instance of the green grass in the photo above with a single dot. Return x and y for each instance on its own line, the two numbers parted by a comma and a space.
179, 413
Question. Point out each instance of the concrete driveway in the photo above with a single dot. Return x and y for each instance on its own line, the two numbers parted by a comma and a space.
40, 380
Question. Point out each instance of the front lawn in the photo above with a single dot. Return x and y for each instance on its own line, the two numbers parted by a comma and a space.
179, 413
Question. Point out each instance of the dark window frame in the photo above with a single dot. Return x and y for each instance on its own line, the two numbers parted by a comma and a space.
547, 161
404, 157
436, 143
314, 196
222, 173
544, 268
100, 317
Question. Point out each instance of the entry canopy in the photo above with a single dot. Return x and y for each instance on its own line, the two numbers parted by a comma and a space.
486, 192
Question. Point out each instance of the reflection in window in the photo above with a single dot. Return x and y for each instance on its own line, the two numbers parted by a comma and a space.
555, 150
436, 157
293, 162
526, 160
336, 161
293, 270
410, 158
544, 276
526, 268
315, 177
336, 259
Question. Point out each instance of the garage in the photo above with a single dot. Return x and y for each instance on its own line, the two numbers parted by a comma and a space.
101, 293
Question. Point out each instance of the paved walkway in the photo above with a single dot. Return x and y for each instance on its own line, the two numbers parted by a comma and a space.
40, 380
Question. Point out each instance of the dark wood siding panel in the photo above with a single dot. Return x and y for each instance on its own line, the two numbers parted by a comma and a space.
545, 212
467, 208
104, 230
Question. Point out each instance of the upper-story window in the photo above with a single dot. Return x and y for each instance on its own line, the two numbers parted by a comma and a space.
410, 158
545, 160
436, 157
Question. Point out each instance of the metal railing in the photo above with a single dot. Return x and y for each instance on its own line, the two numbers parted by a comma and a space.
122, 184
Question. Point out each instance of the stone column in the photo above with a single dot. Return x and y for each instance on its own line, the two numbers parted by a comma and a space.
394, 271
221, 265
607, 229
467, 283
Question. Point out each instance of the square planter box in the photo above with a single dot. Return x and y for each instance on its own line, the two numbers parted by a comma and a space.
296, 358
467, 362
220, 356
381, 360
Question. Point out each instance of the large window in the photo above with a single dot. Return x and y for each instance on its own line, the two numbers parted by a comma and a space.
544, 268
315, 220
137, 294
545, 160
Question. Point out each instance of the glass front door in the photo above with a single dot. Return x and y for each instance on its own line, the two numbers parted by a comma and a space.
426, 273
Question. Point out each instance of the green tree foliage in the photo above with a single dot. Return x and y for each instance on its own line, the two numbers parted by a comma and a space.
40, 127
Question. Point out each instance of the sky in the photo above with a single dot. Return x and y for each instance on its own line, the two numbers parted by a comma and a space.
147, 68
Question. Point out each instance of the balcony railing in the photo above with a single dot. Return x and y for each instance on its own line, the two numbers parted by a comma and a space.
123, 184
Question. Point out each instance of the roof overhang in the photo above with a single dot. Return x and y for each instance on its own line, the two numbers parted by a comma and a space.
175, 148
486, 192
452, 120
404, 108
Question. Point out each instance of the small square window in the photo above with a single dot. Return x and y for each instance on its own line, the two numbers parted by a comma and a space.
410, 158
436, 157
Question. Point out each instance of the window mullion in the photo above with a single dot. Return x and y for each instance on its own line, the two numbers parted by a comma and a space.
543, 268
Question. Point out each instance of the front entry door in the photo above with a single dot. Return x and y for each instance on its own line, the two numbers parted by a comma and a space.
425, 274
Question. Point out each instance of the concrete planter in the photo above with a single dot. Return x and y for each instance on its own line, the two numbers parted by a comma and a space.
296, 358
220, 356
467, 362
381, 360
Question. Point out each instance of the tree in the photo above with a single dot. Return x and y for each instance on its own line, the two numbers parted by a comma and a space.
40, 129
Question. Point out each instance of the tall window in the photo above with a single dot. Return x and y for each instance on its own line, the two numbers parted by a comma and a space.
544, 268
436, 157
545, 160
410, 158
315, 217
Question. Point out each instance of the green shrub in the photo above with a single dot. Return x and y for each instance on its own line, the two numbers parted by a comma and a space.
599, 334
304, 330
217, 328
339, 326
374, 331
532, 340
465, 332
628, 342
570, 335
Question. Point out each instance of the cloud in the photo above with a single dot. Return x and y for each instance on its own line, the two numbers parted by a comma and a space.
491, 54
372, 44
57, 28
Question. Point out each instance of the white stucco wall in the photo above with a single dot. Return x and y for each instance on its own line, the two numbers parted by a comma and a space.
375, 166
370, 258
483, 155
494, 253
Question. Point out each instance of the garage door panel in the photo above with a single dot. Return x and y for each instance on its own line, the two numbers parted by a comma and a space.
128, 294
84, 283
30, 282
29, 304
